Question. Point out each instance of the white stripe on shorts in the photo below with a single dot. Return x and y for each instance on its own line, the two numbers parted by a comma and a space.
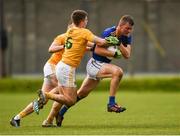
93, 66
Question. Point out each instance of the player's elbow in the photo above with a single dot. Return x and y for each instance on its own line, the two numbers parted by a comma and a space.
126, 56
50, 50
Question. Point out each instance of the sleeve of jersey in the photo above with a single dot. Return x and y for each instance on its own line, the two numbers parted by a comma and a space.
105, 33
59, 40
88, 35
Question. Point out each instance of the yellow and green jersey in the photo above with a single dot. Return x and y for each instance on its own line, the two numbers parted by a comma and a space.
75, 45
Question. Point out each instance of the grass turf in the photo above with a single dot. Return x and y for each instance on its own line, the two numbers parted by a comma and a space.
154, 83
147, 113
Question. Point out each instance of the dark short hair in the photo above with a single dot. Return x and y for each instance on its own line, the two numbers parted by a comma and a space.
127, 19
78, 15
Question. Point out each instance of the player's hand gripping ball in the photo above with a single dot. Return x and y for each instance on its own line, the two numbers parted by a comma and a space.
112, 40
116, 51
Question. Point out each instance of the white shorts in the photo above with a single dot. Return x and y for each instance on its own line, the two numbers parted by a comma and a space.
93, 66
49, 69
65, 74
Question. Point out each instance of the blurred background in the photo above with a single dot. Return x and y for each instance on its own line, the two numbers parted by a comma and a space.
151, 93
28, 27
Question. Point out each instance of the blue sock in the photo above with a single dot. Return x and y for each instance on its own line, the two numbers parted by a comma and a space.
111, 100
63, 110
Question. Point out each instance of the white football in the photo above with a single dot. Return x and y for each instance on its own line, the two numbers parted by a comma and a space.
112, 49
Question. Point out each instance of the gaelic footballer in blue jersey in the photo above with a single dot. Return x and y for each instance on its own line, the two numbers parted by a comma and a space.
99, 66
124, 39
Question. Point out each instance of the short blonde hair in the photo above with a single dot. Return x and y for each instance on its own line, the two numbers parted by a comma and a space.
126, 19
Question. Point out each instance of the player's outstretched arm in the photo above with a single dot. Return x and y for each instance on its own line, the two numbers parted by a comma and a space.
100, 41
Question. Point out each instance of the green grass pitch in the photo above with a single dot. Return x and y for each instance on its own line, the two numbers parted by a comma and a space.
147, 113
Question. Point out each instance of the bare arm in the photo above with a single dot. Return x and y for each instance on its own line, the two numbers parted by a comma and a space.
103, 52
55, 47
90, 46
100, 42
126, 51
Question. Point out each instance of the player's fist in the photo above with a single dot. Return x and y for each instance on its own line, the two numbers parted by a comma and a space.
118, 54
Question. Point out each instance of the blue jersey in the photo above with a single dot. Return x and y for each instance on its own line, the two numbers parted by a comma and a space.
106, 33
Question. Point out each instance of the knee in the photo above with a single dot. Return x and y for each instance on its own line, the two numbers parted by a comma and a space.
71, 102
118, 72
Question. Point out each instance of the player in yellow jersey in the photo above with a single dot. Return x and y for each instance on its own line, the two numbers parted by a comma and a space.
50, 81
99, 67
75, 47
